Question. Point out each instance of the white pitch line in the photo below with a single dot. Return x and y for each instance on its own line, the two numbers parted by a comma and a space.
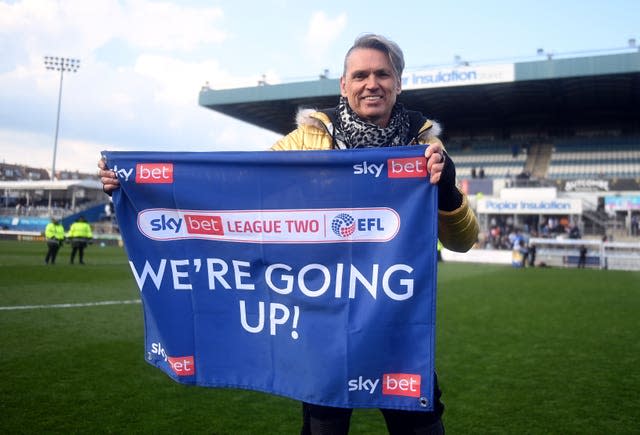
87, 304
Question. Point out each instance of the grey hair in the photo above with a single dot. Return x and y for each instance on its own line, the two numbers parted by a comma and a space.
380, 43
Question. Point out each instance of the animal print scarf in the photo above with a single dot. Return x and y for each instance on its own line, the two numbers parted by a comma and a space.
354, 132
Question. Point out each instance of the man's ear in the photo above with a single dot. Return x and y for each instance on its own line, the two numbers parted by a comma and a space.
343, 89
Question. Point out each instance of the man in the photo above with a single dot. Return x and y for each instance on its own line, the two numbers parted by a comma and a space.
368, 115
54, 235
80, 235
582, 258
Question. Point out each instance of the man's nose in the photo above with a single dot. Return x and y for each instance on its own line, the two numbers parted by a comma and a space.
372, 81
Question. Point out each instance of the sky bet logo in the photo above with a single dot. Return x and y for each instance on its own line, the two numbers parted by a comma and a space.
148, 173
180, 365
366, 168
393, 384
166, 223
154, 173
195, 224
410, 167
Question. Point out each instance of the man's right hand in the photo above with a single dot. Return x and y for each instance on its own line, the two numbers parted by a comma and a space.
108, 177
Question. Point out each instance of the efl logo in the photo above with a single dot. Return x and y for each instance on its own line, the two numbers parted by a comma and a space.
182, 365
411, 167
154, 173
203, 224
343, 225
401, 384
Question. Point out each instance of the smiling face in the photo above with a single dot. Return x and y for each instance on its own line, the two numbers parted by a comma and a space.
370, 85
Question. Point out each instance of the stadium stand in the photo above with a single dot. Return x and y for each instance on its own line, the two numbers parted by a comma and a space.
596, 157
548, 147
29, 199
495, 159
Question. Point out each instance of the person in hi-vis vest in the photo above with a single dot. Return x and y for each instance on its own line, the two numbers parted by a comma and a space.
80, 235
54, 235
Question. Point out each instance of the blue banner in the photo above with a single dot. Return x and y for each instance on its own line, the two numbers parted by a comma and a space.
306, 274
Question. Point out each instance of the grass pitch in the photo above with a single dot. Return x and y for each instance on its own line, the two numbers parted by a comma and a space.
548, 351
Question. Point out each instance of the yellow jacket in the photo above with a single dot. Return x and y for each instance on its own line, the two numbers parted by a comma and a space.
80, 230
457, 229
54, 231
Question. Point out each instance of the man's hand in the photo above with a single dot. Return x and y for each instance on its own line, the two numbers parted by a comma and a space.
435, 162
108, 177
443, 173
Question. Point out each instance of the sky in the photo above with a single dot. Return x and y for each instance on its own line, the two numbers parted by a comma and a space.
143, 62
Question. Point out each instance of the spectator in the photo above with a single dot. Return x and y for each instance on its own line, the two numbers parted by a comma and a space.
515, 150
532, 255
574, 232
582, 258
108, 211
519, 254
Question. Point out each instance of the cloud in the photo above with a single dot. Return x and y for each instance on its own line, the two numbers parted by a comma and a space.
179, 81
70, 154
322, 33
136, 89
161, 25
86, 25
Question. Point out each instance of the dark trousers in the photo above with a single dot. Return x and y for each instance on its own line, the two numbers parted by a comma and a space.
327, 420
52, 252
78, 247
